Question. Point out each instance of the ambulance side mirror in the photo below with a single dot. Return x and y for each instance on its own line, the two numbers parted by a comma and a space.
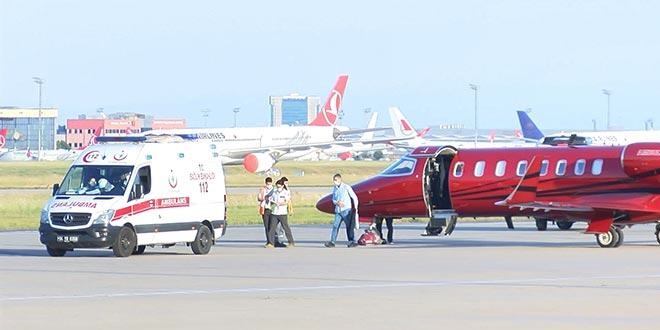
56, 187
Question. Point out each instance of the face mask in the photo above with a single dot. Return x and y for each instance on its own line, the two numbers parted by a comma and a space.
337, 183
279, 188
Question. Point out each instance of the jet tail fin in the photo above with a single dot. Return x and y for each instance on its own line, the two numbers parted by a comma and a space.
401, 125
329, 114
529, 129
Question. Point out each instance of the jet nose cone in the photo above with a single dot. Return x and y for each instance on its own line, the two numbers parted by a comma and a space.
325, 204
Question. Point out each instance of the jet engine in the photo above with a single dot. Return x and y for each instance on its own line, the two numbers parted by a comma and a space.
258, 162
641, 159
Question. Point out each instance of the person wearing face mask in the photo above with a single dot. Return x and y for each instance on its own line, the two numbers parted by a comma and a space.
263, 197
279, 214
344, 199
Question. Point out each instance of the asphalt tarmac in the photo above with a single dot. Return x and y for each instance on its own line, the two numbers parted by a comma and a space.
482, 277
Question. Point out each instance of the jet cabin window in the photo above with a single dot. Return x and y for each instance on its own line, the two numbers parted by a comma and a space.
479, 168
544, 167
401, 167
522, 168
561, 167
580, 166
500, 168
458, 169
597, 167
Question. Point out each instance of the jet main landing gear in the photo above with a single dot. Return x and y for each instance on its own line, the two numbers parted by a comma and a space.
610, 238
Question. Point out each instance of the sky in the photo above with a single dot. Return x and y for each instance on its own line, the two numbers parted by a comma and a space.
173, 59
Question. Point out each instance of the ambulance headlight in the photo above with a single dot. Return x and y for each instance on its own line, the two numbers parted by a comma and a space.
44, 215
104, 218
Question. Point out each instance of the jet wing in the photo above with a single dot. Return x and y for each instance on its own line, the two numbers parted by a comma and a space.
637, 202
524, 196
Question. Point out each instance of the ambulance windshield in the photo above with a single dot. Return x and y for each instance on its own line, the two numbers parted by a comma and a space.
96, 180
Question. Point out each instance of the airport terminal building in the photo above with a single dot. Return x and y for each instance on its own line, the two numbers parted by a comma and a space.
293, 109
27, 128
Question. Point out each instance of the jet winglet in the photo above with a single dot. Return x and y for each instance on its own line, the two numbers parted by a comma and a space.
525, 191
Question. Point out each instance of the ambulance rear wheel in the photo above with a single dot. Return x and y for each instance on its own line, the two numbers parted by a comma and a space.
203, 241
564, 225
657, 233
541, 224
609, 238
139, 249
53, 252
125, 244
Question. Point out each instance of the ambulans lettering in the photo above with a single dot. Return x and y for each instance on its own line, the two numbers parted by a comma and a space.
172, 202
74, 204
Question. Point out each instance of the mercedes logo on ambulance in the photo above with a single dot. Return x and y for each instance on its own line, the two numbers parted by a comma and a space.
68, 218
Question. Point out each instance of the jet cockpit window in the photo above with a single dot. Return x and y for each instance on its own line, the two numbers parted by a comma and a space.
400, 167
561, 167
522, 168
479, 168
597, 167
580, 165
458, 169
500, 168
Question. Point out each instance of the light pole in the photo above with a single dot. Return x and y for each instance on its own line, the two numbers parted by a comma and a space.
205, 115
236, 110
475, 88
608, 93
39, 83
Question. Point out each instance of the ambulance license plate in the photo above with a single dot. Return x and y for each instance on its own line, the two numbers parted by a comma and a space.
67, 239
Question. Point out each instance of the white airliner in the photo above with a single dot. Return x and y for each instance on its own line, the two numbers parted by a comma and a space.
409, 138
350, 147
259, 148
604, 138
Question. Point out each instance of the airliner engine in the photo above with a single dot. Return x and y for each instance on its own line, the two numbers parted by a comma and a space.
258, 162
641, 159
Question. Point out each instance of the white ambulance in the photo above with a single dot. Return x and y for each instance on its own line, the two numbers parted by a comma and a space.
127, 193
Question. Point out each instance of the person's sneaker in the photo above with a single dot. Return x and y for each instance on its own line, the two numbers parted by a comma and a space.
352, 244
329, 244
278, 244
383, 242
290, 245
268, 246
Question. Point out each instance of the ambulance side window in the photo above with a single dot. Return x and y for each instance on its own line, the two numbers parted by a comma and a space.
142, 185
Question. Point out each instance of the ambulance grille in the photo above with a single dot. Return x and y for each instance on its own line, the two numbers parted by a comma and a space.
70, 219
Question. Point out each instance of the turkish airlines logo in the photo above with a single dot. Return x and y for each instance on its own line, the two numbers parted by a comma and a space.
334, 104
406, 129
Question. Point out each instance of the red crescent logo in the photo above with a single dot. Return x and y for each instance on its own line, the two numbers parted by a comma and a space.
120, 156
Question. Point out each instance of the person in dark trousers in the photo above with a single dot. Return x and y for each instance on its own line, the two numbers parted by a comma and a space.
390, 229
344, 199
264, 197
279, 214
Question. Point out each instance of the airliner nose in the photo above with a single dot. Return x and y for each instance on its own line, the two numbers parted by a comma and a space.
325, 204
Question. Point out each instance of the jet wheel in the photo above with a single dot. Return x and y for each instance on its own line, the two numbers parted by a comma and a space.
610, 238
541, 224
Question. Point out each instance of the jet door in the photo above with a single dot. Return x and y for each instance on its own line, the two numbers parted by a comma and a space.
436, 189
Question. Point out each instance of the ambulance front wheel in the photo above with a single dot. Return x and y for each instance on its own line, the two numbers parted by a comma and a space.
53, 252
203, 240
125, 244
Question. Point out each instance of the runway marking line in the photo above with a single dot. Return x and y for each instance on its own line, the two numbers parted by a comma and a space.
326, 287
